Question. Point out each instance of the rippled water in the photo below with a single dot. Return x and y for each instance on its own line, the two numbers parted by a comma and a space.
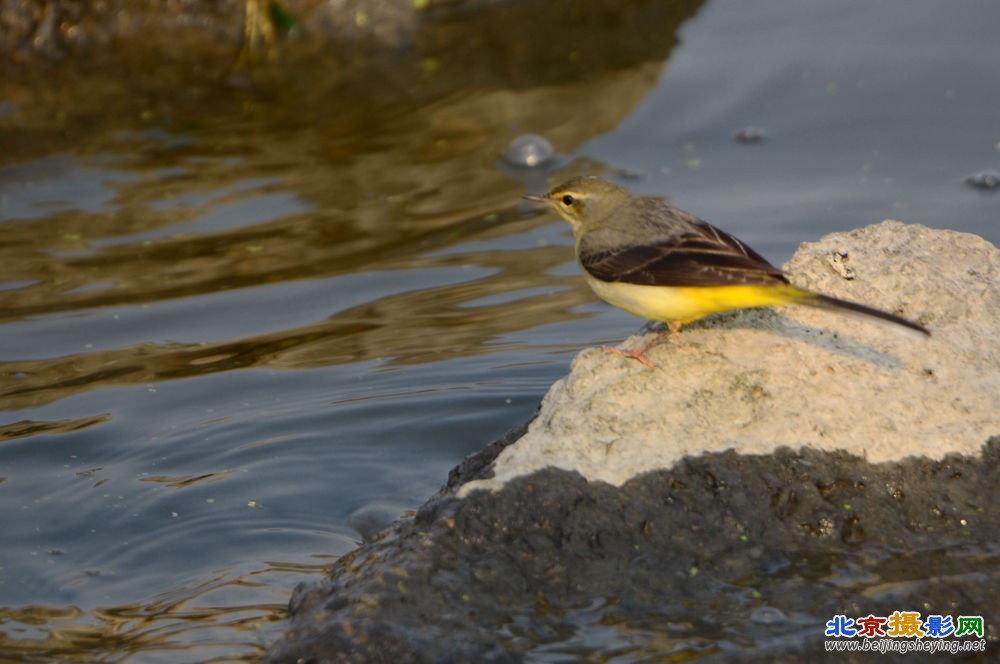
222, 335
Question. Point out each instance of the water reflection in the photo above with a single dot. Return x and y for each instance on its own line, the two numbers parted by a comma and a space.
344, 216
430, 322
25, 428
189, 624
174, 267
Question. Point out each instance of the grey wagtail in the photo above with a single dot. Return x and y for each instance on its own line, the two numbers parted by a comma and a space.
664, 264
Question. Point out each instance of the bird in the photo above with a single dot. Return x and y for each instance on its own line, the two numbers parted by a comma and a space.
661, 263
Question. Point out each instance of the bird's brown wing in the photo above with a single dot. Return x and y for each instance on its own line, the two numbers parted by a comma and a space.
700, 255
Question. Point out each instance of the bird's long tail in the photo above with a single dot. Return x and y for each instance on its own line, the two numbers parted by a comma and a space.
827, 302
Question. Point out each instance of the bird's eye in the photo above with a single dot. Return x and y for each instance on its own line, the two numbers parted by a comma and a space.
568, 200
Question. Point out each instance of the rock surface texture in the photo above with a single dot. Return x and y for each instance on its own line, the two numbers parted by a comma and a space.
776, 468
758, 380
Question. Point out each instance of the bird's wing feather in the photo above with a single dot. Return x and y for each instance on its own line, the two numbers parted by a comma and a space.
699, 255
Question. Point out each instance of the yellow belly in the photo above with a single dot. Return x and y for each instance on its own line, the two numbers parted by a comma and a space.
688, 303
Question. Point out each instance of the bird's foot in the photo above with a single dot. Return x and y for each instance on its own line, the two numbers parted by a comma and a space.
639, 355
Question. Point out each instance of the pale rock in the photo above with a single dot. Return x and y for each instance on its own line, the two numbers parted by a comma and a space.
757, 380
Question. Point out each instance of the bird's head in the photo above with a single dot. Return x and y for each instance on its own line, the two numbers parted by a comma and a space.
583, 200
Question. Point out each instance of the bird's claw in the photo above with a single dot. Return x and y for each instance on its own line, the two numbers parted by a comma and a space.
639, 355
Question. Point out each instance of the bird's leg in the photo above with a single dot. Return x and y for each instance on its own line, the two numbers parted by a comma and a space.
654, 326
673, 327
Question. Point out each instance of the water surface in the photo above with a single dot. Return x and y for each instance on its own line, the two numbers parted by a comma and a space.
224, 331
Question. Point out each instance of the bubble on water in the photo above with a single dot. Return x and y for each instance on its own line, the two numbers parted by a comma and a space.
750, 135
988, 180
767, 615
371, 519
529, 151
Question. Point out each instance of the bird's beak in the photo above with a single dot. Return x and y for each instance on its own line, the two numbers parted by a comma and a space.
538, 198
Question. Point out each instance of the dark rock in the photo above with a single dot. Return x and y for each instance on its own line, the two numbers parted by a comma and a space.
673, 564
